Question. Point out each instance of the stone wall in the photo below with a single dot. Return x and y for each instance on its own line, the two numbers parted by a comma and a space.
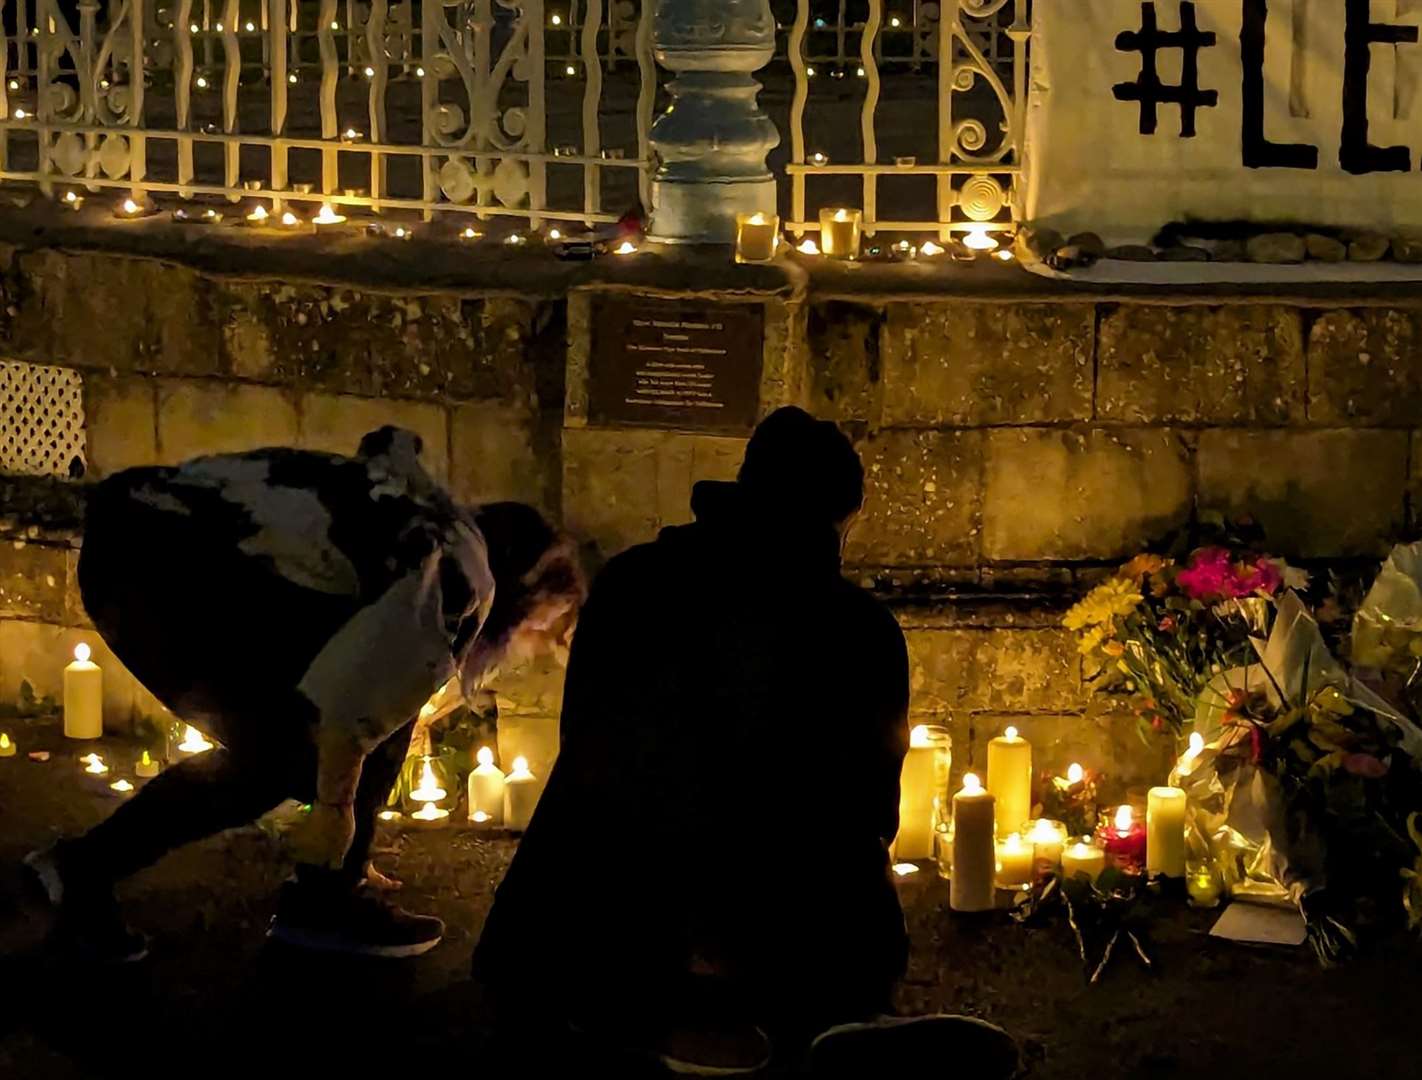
1015, 448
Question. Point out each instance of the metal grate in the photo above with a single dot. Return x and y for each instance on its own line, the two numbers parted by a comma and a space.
41, 420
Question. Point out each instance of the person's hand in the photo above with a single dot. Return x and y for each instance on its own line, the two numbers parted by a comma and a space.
325, 835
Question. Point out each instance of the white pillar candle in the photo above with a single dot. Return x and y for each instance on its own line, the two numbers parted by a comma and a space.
520, 795
83, 696
1015, 862
1083, 857
1165, 832
486, 790
1048, 838
839, 232
1009, 778
974, 852
916, 788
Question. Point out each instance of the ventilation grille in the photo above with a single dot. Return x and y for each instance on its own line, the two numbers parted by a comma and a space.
41, 420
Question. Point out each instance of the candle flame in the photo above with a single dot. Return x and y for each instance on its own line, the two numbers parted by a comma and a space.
1013, 844
4, 741
520, 764
258, 215
1010, 734
388, 815
145, 759
478, 817
1081, 850
130, 207
918, 737
757, 218
485, 756
1045, 831
1125, 818
328, 216
82, 652
625, 248
471, 233
96, 765
290, 220
931, 248
429, 812
807, 246
429, 790
841, 214
1075, 773
971, 783
555, 234
904, 869
193, 741
980, 239
121, 786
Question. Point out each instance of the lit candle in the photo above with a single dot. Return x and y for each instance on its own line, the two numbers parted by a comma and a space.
430, 793
121, 787
486, 790
258, 216
980, 238
1165, 832
625, 248
905, 869
1009, 778
328, 216
974, 853
915, 838
1124, 839
131, 208
290, 221
83, 696
7, 748
1083, 857
931, 248
1048, 838
757, 236
193, 741
470, 233
520, 795
146, 768
839, 232
1202, 885
808, 246
389, 815
1015, 862
94, 765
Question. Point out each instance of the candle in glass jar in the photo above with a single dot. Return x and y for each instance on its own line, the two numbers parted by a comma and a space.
839, 232
1124, 840
486, 791
1083, 857
520, 795
1015, 862
83, 696
1048, 838
1009, 778
974, 850
1202, 885
1165, 832
916, 789
757, 236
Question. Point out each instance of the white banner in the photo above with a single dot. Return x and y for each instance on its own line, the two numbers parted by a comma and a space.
1303, 111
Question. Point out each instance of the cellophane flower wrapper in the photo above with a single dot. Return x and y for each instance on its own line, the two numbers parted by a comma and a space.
1387, 627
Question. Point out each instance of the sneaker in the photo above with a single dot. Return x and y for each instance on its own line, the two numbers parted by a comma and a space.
690, 1048
90, 923
357, 923
905, 1046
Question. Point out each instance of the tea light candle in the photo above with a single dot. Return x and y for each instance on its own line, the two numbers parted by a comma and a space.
1203, 885
430, 793
194, 742
328, 217
839, 232
1015, 862
1165, 832
980, 238
1009, 778
258, 216
1083, 857
83, 696
520, 795
121, 787
94, 765
7, 748
146, 768
757, 236
808, 246
974, 853
1124, 839
915, 838
1048, 838
486, 790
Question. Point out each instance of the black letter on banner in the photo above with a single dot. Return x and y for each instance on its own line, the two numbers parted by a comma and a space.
1259, 152
1357, 154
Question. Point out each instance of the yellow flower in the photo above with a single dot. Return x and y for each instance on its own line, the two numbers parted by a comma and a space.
1104, 604
1141, 566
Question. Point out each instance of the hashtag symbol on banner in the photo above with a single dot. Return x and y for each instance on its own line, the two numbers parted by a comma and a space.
1149, 40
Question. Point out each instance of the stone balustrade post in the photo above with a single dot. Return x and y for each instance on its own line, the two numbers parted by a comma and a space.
712, 140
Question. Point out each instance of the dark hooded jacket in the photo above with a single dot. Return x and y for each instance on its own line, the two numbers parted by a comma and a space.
733, 726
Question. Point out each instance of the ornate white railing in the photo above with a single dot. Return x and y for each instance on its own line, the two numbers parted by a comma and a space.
969, 163
435, 107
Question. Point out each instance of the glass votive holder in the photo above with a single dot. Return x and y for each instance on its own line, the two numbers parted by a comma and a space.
757, 237
943, 850
1083, 856
1203, 883
839, 232
1016, 862
1048, 838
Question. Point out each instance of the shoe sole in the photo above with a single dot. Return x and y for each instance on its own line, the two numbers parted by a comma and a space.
316, 942
992, 1043
688, 1068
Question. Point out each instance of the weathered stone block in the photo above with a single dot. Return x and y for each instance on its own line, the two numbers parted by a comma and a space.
120, 423
496, 455
196, 418
336, 423
976, 670
1227, 365
1365, 367
1081, 494
610, 484
844, 376
921, 499
1316, 493
972, 364
33, 581
124, 314
941, 669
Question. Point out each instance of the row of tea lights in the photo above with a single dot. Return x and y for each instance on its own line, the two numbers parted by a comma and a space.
992, 843
758, 239
496, 800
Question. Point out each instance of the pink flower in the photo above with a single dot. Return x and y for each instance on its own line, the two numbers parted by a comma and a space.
1213, 575
1366, 766
1265, 576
